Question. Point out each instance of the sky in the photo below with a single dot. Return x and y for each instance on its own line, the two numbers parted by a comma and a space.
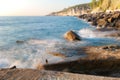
35, 7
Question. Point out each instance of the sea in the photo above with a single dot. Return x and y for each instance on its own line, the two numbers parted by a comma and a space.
26, 41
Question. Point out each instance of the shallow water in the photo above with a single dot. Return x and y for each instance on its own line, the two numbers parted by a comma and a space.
42, 35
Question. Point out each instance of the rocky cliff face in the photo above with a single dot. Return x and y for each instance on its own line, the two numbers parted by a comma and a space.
107, 6
73, 11
111, 4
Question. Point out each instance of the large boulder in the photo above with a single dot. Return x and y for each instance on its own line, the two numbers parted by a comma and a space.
72, 36
101, 22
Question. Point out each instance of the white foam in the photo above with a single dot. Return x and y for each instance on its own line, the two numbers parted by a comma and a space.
4, 63
34, 41
35, 52
88, 33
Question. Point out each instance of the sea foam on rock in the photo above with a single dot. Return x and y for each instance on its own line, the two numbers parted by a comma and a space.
72, 36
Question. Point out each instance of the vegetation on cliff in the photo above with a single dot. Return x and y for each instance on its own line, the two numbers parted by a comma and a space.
104, 5
93, 6
73, 10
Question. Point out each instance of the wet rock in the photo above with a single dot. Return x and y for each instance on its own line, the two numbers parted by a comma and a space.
116, 15
57, 54
94, 23
19, 41
111, 47
116, 34
46, 61
104, 20
111, 19
72, 36
117, 24
99, 61
89, 19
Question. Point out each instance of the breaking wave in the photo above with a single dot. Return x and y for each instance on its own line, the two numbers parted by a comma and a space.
34, 52
89, 33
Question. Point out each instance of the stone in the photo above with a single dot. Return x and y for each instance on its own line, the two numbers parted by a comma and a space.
116, 15
72, 36
101, 22
19, 41
13, 67
111, 47
117, 24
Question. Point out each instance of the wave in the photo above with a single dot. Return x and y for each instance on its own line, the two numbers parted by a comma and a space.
34, 52
89, 33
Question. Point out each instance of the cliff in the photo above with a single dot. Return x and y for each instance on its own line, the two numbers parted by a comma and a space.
73, 11
107, 5
104, 6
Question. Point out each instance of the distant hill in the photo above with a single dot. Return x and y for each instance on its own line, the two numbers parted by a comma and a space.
94, 6
73, 11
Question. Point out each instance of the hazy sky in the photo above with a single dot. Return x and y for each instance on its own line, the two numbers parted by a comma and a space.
34, 7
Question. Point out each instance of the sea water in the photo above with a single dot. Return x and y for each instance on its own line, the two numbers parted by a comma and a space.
41, 35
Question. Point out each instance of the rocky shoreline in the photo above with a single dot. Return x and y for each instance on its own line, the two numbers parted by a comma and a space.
103, 21
102, 61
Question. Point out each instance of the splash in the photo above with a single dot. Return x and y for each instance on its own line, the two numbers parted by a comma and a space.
34, 52
89, 33
86, 33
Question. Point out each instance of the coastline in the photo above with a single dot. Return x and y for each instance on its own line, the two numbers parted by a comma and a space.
102, 61
103, 20
106, 56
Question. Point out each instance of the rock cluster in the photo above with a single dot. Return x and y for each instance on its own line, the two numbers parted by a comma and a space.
103, 20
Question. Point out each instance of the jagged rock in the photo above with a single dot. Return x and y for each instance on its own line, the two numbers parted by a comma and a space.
72, 36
